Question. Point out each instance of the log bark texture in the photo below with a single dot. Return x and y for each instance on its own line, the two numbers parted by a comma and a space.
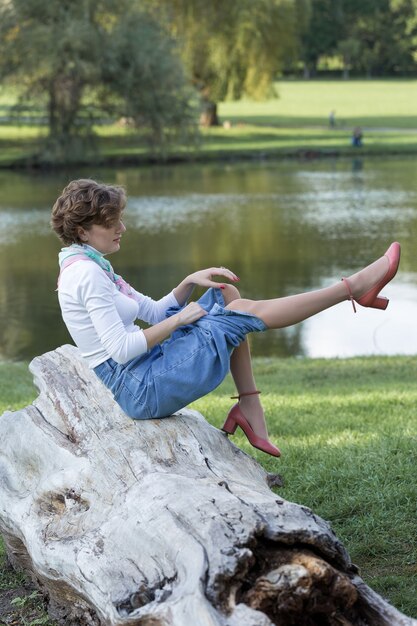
161, 522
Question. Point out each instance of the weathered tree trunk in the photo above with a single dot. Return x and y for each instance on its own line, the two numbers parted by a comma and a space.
208, 115
161, 522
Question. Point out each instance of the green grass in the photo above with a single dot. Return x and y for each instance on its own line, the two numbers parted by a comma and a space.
289, 142
348, 432
115, 146
369, 103
293, 124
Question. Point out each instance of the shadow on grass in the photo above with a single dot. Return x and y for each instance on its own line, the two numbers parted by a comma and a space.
395, 122
245, 136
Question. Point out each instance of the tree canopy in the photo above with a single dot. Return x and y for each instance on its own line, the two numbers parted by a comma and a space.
147, 60
67, 53
373, 37
231, 49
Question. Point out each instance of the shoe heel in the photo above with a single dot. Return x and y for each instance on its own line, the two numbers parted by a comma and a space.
229, 426
380, 303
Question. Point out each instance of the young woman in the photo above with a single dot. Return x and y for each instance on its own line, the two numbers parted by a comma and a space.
189, 348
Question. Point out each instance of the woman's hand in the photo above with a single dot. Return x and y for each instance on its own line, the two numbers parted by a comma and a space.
193, 311
189, 314
158, 332
204, 278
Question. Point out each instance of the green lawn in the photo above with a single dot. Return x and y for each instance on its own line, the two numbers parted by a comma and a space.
348, 432
369, 103
293, 124
248, 141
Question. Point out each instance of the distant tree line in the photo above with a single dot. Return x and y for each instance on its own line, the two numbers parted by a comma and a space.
155, 63
369, 37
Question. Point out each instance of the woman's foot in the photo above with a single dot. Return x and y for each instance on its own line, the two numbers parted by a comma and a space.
252, 410
365, 285
236, 418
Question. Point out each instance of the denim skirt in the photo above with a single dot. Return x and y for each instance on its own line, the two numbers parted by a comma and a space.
187, 366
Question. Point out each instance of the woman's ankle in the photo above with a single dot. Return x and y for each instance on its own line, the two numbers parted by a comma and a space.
250, 401
361, 282
252, 408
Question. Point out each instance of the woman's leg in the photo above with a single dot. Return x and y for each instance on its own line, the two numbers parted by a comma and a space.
242, 373
281, 312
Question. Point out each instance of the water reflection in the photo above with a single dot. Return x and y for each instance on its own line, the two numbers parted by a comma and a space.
283, 227
337, 332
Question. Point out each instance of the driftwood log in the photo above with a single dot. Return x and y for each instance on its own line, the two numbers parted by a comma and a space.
161, 522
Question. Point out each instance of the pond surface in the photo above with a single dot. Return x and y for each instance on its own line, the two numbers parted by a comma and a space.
284, 227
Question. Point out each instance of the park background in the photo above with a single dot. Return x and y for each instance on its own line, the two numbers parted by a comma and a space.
230, 124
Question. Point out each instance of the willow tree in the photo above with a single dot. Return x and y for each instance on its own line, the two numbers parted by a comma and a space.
232, 49
107, 54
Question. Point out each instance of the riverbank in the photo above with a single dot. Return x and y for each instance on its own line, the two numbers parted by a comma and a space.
347, 430
115, 147
294, 124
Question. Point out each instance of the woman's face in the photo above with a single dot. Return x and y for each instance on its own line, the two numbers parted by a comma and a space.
105, 240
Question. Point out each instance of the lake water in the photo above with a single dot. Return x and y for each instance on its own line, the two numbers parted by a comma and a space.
283, 227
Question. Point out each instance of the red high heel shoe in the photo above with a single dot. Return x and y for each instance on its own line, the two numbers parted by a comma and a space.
236, 418
371, 298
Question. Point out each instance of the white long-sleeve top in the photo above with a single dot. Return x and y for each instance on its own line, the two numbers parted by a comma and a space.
100, 319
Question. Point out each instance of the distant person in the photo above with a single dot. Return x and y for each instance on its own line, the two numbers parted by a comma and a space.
332, 119
189, 348
357, 136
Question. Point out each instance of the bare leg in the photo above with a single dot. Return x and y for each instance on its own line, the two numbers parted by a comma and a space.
281, 312
242, 373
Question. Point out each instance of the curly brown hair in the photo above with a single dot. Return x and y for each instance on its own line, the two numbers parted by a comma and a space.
85, 202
